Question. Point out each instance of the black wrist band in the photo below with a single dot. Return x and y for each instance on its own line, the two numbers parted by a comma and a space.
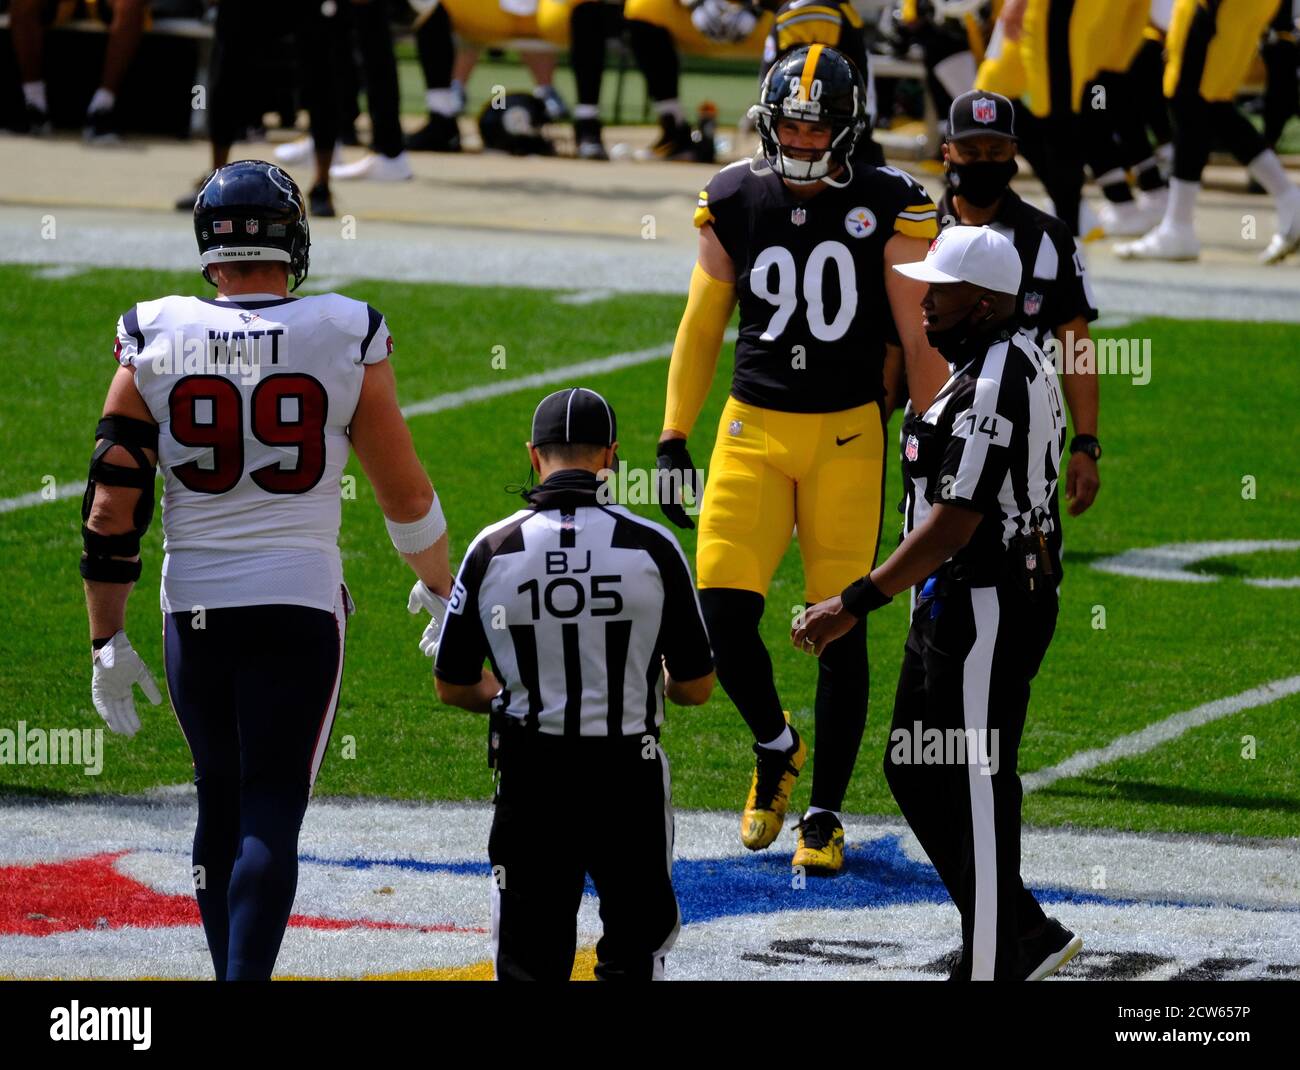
862, 596
1086, 444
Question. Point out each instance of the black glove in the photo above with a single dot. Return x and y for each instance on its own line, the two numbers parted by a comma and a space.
675, 473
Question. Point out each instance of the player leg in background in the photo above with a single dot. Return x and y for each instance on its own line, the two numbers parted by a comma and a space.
746, 519
28, 36
386, 161
630, 861
124, 34
537, 881
839, 494
1281, 90
444, 98
201, 686
1210, 50
657, 59
589, 28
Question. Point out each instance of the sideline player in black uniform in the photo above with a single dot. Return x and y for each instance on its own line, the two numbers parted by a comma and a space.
1055, 300
980, 467
802, 238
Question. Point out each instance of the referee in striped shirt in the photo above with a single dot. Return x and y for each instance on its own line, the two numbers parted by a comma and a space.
980, 467
588, 617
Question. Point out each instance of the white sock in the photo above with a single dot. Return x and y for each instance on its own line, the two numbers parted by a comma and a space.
1267, 170
782, 742
1181, 210
443, 102
821, 810
34, 94
671, 107
103, 100
586, 111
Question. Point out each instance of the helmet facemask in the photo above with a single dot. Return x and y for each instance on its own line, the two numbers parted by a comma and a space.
785, 97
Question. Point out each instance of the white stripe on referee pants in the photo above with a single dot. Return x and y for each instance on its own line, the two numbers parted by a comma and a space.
327, 720
976, 679
669, 831
496, 926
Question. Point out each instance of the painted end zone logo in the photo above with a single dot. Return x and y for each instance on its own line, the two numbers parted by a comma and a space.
376, 900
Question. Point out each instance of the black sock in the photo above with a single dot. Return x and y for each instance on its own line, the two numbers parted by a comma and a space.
843, 685
656, 56
587, 50
743, 664
436, 49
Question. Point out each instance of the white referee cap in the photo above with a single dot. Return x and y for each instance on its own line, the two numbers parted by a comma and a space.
977, 255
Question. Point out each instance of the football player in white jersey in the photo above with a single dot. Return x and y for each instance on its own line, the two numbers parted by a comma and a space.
249, 402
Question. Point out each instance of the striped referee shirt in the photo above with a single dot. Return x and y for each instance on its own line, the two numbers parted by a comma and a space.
992, 441
578, 606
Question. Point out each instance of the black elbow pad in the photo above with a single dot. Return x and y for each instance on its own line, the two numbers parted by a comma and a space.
135, 436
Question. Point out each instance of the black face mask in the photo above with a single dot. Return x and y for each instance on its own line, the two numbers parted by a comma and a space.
982, 182
950, 339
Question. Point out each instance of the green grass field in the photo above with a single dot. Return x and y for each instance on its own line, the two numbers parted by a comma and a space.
1219, 407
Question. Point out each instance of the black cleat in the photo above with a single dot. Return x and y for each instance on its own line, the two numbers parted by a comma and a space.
440, 134
101, 128
586, 133
675, 140
319, 202
38, 122
1046, 950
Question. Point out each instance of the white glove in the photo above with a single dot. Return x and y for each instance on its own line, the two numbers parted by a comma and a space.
436, 605
724, 21
117, 669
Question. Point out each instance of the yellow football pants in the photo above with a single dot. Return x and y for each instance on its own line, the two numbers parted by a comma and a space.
774, 471
676, 19
1237, 26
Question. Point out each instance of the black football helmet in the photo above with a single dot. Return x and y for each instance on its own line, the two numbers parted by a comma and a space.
815, 83
252, 210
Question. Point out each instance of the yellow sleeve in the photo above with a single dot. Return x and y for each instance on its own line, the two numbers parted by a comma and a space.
695, 352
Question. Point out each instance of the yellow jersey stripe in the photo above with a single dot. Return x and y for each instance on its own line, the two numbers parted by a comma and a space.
851, 14
809, 69
916, 228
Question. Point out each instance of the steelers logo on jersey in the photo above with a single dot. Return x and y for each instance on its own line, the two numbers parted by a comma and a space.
860, 222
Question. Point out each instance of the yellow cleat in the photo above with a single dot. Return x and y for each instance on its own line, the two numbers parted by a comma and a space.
769, 792
821, 845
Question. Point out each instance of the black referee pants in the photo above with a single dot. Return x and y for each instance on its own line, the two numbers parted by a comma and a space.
565, 809
970, 655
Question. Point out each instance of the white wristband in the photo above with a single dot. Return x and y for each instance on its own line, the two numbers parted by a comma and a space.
418, 534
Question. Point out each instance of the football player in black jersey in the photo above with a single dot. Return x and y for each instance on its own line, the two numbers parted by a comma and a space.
809, 22
803, 238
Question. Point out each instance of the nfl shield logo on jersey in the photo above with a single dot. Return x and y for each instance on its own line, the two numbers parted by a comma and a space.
984, 110
913, 448
860, 222
1033, 302
798, 217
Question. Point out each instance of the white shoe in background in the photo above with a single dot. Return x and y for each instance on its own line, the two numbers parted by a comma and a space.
376, 168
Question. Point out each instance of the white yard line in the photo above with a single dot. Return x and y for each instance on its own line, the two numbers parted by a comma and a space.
39, 497
1153, 735
445, 402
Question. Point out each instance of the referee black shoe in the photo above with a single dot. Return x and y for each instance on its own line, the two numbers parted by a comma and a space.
1046, 950
775, 772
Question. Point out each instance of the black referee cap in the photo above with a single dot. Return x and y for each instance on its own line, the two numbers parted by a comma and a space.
574, 415
980, 114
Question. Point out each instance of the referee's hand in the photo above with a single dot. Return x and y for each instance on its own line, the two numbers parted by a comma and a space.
1081, 482
820, 625
677, 480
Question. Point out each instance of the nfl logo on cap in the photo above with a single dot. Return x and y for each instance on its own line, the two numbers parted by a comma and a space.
984, 110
